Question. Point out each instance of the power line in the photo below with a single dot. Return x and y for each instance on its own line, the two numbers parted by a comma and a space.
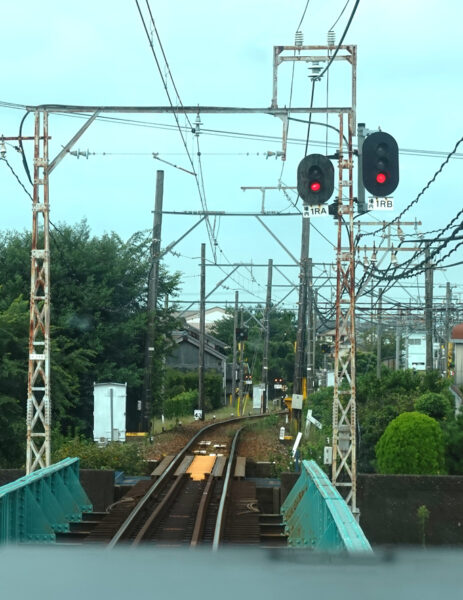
340, 15
200, 186
303, 15
341, 40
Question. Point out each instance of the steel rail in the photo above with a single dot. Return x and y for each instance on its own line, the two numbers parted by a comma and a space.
173, 465
220, 514
159, 510
202, 511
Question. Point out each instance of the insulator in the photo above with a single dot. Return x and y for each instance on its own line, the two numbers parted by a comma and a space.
299, 38
2, 149
331, 38
315, 68
198, 123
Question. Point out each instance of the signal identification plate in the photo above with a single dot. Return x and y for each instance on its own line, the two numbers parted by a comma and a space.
315, 210
381, 203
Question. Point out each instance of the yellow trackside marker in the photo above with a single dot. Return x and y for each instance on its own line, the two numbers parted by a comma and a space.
200, 466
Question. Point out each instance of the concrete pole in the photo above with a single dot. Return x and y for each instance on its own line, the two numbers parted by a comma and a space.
428, 289
153, 283
202, 332
302, 312
241, 381
448, 302
309, 332
234, 365
398, 332
268, 306
379, 332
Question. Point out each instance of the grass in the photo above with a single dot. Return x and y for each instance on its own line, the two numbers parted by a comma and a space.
220, 413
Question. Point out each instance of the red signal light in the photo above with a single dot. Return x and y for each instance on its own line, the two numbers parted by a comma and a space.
315, 186
381, 177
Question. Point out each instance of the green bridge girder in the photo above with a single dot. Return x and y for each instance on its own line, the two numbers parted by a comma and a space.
37, 506
317, 517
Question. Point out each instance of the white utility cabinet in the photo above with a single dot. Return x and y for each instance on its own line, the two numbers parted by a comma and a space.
109, 412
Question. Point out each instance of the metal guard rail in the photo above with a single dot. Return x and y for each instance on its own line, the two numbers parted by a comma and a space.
317, 517
35, 507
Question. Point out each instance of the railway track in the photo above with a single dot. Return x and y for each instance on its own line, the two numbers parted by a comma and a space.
196, 498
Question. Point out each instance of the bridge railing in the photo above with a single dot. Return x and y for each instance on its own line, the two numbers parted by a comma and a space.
37, 506
316, 516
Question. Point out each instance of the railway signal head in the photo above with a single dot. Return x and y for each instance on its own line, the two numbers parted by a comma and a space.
241, 334
315, 179
380, 164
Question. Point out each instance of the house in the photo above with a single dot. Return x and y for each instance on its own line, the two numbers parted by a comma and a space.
185, 355
212, 315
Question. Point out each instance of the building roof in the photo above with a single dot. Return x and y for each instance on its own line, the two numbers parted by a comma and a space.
184, 336
457, 333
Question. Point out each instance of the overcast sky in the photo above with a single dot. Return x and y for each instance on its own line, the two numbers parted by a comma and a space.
220, 54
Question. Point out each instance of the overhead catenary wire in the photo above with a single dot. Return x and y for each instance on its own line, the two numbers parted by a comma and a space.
202, 199
354, 9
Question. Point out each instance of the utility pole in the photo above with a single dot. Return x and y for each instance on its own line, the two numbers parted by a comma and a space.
241, 350
268, 306
398, 336
361, 204
379, 332
309, 333
428, 283
153, 283
448, 302
302, 312
234, 365
202, 330
314, 329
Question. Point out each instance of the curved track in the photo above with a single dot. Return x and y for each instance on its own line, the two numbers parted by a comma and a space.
198, 498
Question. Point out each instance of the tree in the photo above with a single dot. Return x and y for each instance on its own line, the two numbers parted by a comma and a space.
453, 438
98, 322
379, 401
434, 405
13, 380
281, 347
412, 444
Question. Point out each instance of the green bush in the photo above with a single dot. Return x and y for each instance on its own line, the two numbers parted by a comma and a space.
180, 405
453, 437
412, 444
115, 455
434, 405
180, 382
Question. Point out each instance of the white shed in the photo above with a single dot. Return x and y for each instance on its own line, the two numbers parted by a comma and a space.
109, 412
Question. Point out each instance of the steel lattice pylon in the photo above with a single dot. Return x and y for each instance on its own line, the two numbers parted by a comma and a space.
38, 417
344, 466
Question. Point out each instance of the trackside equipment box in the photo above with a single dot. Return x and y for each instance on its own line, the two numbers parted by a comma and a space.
109, 412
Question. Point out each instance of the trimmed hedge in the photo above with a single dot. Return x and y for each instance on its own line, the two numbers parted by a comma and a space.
181, 404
